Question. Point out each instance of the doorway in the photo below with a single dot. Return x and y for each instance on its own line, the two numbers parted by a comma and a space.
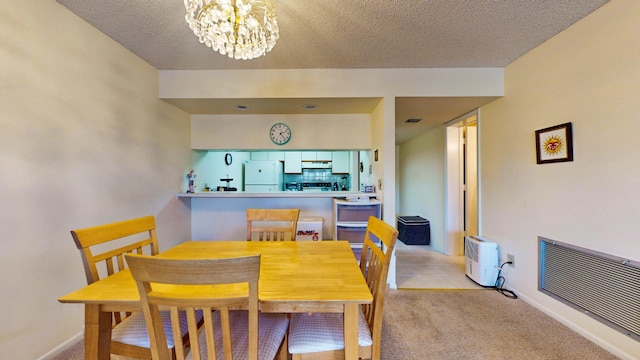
461, 182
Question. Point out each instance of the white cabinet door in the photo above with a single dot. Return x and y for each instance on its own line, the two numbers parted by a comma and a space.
316, 155
259, 155
275, 155
308, 155
292, 162
340, 162
324, 155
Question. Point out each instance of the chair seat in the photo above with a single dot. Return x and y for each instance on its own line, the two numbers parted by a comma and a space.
133, 329
319, 332
271, 330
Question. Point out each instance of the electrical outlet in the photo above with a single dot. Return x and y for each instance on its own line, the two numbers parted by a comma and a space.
512, 259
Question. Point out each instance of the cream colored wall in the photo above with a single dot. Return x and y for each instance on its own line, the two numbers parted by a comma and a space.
334, 131
587, 75
421, 184
84, 140
330, 83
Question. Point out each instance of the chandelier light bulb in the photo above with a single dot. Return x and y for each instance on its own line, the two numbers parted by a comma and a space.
241, 29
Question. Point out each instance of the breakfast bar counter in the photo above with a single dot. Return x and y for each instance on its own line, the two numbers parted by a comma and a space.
277, 194
218, 215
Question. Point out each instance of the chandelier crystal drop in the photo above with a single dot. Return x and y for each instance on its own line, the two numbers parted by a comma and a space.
241, 29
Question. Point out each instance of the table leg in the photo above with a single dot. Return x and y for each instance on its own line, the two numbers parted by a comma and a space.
351, 331
97, 333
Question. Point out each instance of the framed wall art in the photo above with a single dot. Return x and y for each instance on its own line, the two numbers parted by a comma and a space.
554, 144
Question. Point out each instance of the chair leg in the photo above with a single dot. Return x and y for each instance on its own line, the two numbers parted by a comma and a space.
283, 352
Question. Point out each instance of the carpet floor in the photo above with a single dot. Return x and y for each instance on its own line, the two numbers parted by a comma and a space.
475, 324
465, 325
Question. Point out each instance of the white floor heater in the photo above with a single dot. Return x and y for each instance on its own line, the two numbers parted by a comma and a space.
481, 260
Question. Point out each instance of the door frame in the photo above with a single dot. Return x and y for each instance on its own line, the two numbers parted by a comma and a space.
454, 202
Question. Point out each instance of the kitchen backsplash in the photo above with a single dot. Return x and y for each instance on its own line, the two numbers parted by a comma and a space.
318, 175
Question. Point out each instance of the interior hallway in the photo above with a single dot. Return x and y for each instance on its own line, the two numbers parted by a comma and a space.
421, 267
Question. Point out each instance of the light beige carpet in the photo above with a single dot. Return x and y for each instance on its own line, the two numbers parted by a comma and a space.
475, 324
466, 325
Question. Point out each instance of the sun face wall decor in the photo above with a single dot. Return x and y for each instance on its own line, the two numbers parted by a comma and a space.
554, 144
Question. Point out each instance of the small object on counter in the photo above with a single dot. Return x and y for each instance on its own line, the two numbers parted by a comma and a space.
227, 188
366, 188
191, 175
358, 198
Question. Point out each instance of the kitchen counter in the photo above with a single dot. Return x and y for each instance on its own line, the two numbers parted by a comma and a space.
276, 194
221, 215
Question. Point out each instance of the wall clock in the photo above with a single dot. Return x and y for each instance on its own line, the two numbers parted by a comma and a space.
280, 133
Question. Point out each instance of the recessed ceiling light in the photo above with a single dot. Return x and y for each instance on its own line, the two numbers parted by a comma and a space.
412, 120
310, 107
242, 107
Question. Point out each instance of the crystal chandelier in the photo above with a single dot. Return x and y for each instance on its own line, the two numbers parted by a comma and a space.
241, 29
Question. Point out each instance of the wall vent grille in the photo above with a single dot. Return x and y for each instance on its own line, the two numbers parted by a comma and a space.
603, 286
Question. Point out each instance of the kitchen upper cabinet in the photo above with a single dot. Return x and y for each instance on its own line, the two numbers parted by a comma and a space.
323, 155
267, 155
340, 162
275, 155
316, 155
259, 155
308, 155
292, 162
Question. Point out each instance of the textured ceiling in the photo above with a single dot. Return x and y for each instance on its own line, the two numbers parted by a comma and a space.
352, 34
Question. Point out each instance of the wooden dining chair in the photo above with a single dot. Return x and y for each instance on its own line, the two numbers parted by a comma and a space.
272, 224
227, 333
321, 335
102, 249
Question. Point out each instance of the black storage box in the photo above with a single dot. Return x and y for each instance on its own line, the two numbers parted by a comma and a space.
414, 230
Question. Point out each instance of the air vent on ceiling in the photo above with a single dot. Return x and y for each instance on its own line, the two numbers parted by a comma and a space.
412, 120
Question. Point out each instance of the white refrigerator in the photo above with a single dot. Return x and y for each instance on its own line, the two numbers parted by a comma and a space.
263, 175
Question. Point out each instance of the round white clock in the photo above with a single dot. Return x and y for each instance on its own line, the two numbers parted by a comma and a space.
280, 133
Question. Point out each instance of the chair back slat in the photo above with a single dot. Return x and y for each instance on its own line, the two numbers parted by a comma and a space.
272, 224
105, 246
374, 264
188, 276
104, 243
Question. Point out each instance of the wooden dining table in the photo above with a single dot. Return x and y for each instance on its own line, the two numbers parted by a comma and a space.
295, 276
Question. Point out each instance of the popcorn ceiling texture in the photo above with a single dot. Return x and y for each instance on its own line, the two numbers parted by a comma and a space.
347, 34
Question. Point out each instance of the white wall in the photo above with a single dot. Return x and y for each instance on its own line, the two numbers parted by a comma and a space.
210, 167
225, 218
330, 83
84, 140
320, 131
421, 188
587, 75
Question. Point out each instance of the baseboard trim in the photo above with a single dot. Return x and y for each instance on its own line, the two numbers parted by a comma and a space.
62, 347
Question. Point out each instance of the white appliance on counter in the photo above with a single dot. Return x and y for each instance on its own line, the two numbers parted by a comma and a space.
263, 175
